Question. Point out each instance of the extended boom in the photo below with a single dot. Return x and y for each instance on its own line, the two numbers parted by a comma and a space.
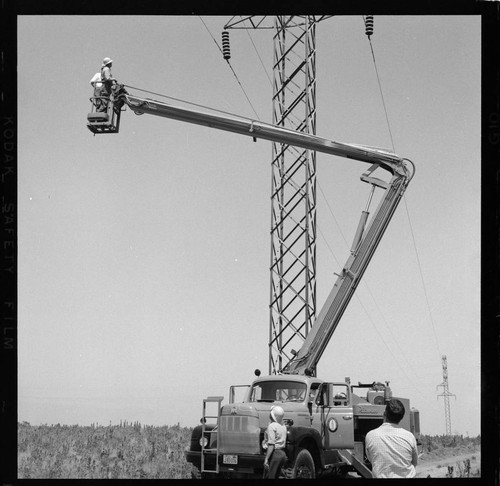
266, 131
366, 239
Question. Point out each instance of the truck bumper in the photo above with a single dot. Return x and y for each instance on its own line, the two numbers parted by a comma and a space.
247, 463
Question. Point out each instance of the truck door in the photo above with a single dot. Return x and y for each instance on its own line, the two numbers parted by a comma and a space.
336, 415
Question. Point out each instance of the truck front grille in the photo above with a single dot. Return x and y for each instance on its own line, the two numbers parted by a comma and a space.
239, 434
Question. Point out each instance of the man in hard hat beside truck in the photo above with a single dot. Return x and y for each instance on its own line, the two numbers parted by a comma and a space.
276, 441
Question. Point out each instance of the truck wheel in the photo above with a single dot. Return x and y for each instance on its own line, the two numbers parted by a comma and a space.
303, 466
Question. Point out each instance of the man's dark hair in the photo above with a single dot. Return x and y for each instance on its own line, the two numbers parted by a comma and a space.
394, 411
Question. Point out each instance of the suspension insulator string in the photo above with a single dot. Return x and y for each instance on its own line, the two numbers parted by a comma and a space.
369, 25
226, 51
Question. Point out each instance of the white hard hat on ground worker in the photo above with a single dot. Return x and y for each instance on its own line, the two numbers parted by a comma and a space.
277, 413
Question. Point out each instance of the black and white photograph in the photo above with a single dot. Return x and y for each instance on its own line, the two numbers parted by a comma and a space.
249, 246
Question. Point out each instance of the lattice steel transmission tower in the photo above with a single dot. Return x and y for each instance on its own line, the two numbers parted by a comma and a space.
446, 395
293, 197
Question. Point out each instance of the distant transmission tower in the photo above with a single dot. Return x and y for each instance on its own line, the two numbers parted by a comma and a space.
446, 394
293, 199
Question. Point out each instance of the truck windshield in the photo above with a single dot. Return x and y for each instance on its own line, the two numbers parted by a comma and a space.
283, 391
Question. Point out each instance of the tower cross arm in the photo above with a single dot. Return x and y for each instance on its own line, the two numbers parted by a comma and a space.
268, 21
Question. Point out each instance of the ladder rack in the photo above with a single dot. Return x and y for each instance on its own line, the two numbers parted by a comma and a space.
209, 449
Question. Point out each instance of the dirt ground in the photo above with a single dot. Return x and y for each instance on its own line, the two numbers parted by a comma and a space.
435, 464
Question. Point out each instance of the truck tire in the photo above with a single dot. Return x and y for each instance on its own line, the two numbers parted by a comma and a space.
303, 466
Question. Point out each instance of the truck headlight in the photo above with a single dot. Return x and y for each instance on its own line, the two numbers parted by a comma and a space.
203, 441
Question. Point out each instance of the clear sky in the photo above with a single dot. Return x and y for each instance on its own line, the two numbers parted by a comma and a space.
144, 256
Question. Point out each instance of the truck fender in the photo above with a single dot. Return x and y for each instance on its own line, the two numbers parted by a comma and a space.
305, 438
196, 436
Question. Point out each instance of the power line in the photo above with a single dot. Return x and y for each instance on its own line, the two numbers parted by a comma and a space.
231, 67
260, 59
373, 298
387, 346
189, 103
369, 31
422, 277
380, 87
333, 216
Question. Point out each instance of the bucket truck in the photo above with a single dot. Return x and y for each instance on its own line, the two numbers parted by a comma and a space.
327, 421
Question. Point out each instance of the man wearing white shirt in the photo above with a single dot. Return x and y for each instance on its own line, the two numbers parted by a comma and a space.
96, 83
391, 449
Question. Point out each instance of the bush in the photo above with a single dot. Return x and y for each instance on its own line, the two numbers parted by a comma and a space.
431, 443
462, 470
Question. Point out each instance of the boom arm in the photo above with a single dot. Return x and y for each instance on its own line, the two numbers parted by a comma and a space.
366, 240
254, 129
364, 246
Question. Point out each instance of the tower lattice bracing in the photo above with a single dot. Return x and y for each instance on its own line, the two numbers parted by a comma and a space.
293, 197
293, 193
446, 395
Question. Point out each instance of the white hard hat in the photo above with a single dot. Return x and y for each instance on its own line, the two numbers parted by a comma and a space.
277, 412
106, 61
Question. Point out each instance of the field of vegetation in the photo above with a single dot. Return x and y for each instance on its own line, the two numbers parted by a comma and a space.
135, 451
450, 456
125, 451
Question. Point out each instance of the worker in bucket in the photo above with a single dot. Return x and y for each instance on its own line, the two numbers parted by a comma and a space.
96, 83
276, 441
106, 77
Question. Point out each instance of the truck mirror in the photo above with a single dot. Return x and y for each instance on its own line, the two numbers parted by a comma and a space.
324, 394
329, 395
